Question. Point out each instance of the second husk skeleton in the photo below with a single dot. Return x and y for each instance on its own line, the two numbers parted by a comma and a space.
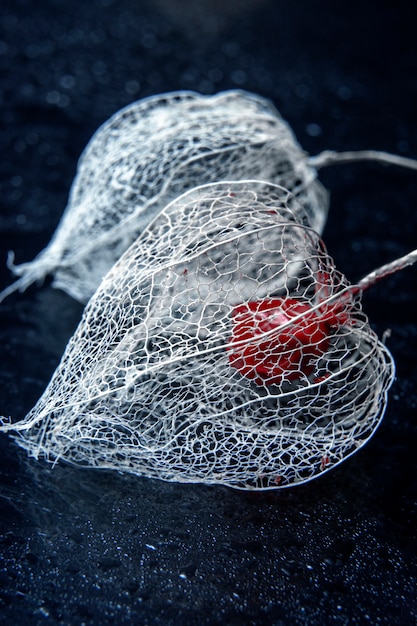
149, 153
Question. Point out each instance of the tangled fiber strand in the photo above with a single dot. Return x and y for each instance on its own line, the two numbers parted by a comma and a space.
148, 154
177, 370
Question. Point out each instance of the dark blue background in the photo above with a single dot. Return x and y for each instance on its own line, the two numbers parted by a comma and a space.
81, 546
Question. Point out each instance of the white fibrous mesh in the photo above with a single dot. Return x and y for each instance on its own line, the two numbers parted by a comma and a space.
223, 347
148, 154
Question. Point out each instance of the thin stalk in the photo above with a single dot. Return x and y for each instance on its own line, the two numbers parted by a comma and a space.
330, 157
386, 270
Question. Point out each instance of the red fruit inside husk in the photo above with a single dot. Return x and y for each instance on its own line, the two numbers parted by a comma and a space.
285, 353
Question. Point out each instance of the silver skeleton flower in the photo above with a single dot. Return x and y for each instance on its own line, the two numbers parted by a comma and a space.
177, 370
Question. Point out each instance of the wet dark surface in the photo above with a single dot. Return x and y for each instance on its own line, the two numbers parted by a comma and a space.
88, 547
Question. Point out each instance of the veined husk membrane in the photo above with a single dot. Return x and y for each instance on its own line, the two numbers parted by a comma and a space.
149, 153
151, 382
